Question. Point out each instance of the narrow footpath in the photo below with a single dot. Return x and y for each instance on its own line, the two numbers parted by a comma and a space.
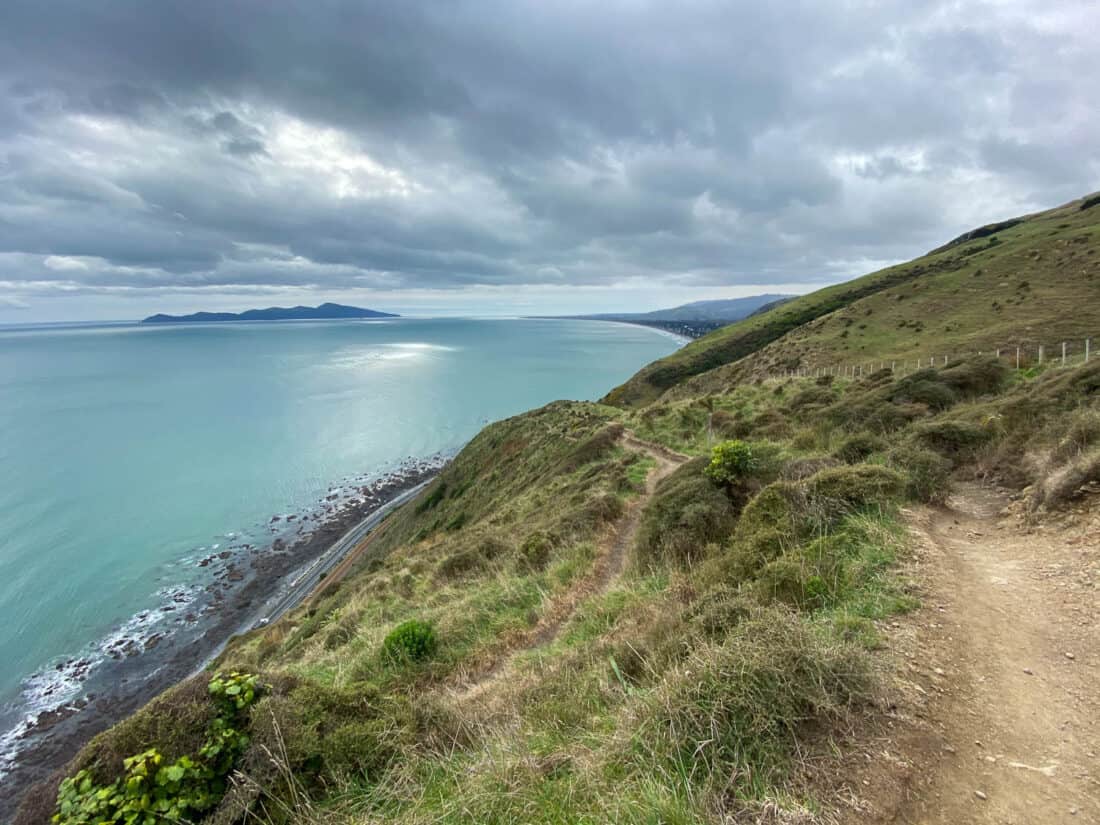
614, 552
999, 720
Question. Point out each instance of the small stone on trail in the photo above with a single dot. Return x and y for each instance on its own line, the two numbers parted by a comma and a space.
1070, 655
980, 795
1027, 670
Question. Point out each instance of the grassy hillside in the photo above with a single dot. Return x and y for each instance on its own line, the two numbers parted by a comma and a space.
592, 616
1027, 281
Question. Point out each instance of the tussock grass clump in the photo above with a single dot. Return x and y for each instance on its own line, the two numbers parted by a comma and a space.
846, 566
730, 717
534, 553
326, 735
1082, 431
786, 514
472, 560
840, 490
859, 447
814, 396
687, 513
975, 377
592, 448
800, 468
1067, 482
924, 387
928, 474
955, 440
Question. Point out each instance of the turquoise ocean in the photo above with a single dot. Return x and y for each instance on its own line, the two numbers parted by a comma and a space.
129, 452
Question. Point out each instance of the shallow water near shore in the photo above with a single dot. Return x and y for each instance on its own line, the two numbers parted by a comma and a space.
141, 465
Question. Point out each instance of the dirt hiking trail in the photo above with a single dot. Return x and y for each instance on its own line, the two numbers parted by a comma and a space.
1001, 720
614, 552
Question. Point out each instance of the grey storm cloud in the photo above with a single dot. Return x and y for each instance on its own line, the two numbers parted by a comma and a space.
398, 145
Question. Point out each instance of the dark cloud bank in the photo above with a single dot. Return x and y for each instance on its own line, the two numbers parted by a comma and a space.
209, 154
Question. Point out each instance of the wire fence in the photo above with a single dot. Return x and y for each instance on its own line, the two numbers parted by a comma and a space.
1021, 357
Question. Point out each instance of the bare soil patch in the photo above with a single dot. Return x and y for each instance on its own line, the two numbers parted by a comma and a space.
995, 716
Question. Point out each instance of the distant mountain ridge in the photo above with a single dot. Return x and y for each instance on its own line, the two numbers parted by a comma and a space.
298, 313
727, 309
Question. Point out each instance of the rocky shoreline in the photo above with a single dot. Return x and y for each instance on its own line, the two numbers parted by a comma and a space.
157, 648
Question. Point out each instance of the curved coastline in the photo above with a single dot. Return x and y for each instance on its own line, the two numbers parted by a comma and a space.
69, 702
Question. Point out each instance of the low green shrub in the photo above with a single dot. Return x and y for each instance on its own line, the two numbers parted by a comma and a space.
730, 462
599, 510
152, 789
343, 630
411, 641
874, 413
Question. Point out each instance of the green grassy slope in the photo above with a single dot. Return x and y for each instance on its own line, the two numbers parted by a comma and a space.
711, 680
1030, 282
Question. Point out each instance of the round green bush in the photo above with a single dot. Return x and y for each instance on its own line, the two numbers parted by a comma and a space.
413, 640
730, 461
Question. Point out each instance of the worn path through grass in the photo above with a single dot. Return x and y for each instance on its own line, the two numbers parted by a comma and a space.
614, 551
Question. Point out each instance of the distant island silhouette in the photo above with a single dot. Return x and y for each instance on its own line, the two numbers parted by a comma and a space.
299, 313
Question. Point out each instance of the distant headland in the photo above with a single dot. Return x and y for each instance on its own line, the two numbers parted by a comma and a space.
324, 311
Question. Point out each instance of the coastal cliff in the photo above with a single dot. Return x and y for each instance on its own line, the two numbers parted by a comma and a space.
720, 595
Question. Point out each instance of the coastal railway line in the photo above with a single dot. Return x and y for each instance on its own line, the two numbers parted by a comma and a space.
306, 580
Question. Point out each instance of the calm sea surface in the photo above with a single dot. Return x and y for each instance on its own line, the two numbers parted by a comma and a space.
127, 452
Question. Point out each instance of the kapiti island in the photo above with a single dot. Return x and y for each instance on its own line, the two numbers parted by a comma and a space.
299, 313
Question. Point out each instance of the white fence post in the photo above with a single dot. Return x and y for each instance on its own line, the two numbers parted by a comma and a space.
1040, 355
1017, 358
1063, 353
1087, 341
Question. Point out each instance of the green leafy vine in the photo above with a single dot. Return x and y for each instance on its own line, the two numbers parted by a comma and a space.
151, 791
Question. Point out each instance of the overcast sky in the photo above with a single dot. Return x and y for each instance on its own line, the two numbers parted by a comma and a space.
499, 157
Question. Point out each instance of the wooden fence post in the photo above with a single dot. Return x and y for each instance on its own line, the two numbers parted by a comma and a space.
1040, 355
1063, 353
